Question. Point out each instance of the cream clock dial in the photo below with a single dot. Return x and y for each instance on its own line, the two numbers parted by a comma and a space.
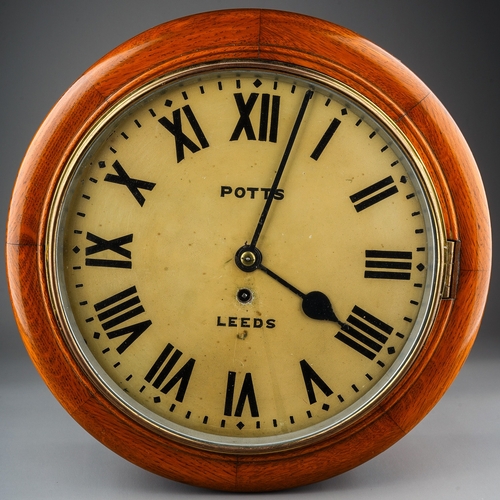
245, 256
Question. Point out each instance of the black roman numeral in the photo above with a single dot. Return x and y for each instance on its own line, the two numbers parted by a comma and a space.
268, 125
247, 393
115, 245
164, 365
364, 333
118, 310
133, 185
388, 265
323, 142
181, 139
373, 194
311, 376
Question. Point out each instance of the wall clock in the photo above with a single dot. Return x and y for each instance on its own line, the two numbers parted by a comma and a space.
248, 250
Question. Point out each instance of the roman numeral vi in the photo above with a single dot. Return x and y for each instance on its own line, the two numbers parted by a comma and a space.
247, 394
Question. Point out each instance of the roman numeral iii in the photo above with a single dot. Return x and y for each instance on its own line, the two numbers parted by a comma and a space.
116, 311
389, 265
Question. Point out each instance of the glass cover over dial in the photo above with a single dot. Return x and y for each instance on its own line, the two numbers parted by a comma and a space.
245, 258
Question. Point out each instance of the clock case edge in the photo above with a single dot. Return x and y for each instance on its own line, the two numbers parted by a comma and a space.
256, 35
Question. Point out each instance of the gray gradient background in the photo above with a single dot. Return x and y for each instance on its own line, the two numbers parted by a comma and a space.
453, 46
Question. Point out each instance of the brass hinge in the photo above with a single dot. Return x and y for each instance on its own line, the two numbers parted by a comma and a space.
452, 269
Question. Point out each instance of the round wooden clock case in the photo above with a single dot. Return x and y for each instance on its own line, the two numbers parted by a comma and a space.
298, 60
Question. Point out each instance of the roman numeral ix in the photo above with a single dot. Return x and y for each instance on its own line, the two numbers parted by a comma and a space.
116, 311
364, 333
267, 118
164, 365
181, 139
115, 245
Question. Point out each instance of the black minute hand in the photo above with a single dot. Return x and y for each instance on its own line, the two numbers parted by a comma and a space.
281, 168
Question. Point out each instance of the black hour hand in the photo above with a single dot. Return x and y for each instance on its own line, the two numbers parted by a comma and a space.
316, 305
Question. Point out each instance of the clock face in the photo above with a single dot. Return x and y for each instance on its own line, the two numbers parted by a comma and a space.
205, 323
